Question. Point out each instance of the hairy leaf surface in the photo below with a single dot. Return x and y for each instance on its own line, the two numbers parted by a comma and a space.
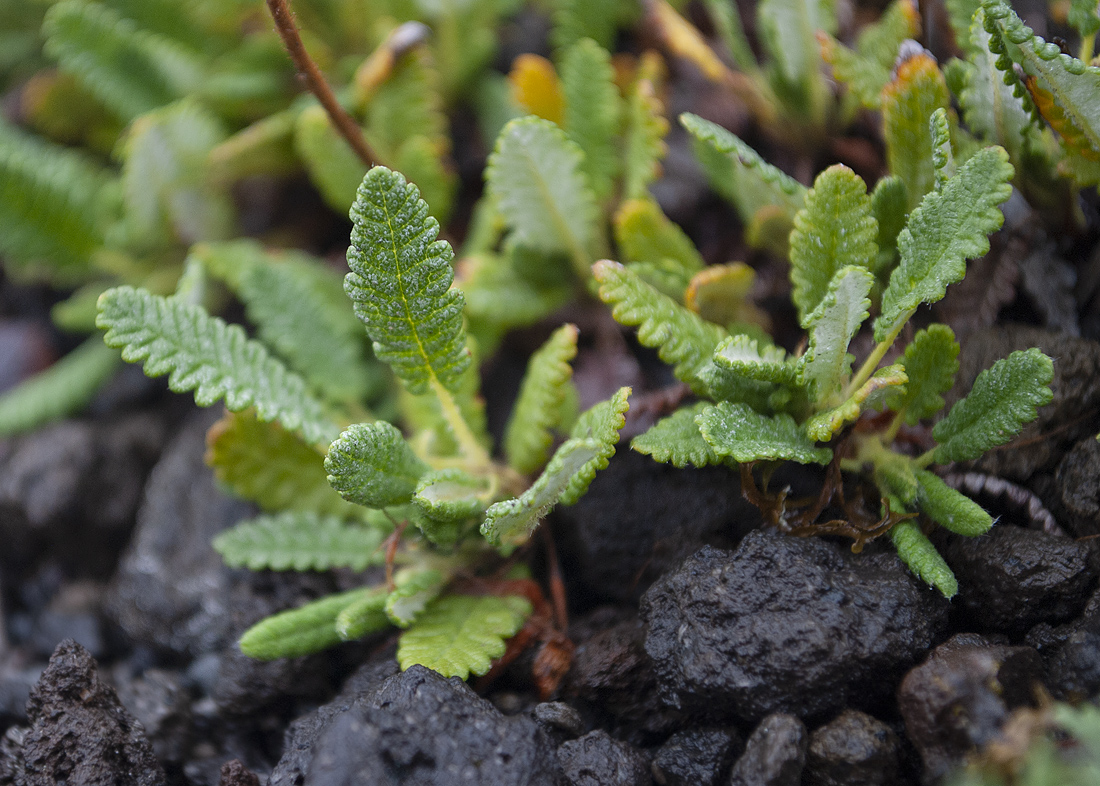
206, 355
747, 357
592, 112
366, 614
62, 389
300, 540
950, 226
931, 361
448, 499
943, 159
542, 395
600, 423
372, 465
921, 557
833, 230
536, 176
302, 631
677, 440
460, 635
890, 209
835, 320
400, 281
265, 463
680, 337
737, 431
412, 595
949, 508
1004, 398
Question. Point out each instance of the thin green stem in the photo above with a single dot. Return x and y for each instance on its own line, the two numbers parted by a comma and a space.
463, 434
1087, 44
924, 459
895, 425
872, 361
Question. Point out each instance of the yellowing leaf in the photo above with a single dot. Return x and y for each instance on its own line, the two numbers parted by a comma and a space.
535, 87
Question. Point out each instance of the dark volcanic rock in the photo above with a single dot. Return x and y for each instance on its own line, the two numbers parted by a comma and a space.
161, 703
420, 728
640, 518
775, 754
559, 720
958, 699
786, 624
696, 757
853, 749
1078, 482
171, 590
598, 760
234, 773
1012, 578
1072, 415
1071, 653
80, 733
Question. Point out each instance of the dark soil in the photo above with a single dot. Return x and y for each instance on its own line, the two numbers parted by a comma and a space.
708, 650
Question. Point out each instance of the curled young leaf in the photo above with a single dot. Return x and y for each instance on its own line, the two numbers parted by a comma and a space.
372, 465
826, 365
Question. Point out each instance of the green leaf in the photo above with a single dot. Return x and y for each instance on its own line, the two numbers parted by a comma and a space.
931, 361
538, 408
214, 359
131, 70
681, 337
592, 112
52, 207
1004, 398
737, 431
943, 160
738, 173
510, 523
333, 167
950, 226
578, 19
677, 440
787, 29
866, 70
400, 281
746, 357
646, 126
412, 595
1085, 17
300, 540
890, 209
949, 508
62, 389
645, 234
896, 477
960, 13
600, 423
836, 319
265, 463
1061, 87
916, 91
921, 557
302, 631
499, 298
364, 615
536, 177
726, 19
372, 465
459, 635
823, 426
169, 195
833, 230
448, 499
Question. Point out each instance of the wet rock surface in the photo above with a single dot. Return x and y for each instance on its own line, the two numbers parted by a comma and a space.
79, 732
1071, 653
775, 754
853, 749
786, 624
420, 728
1011, 578
598, 760
961, 695
697, 757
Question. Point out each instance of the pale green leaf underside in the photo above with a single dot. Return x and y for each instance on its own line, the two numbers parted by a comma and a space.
372, 465
832, 325
918, 553
448, 498
592, 111
511, 522
460, 635
265, 463
1004, 398
739, 432
833, 230
744, 356
950, 226
300, 540
943, 159
412, 595
601, 422
677, 440
825, 425
681, 337
931, 362
538, 408
62, 389
535, 175
400, 281
950, 508
302, 631
204, 354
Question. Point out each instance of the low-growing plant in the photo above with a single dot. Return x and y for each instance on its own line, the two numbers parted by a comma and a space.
762, 405
340, 495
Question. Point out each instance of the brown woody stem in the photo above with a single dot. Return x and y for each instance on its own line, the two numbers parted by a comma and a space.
341, 120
